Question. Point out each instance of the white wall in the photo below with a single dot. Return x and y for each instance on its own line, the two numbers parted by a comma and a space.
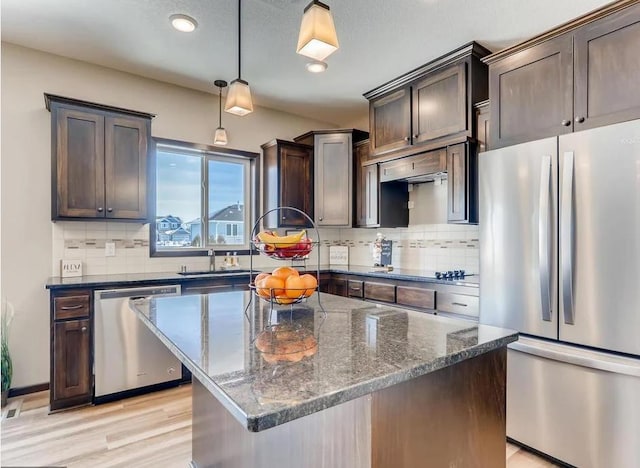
26, 229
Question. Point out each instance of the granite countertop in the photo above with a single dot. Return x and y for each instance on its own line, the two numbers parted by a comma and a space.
134, 279
361, 348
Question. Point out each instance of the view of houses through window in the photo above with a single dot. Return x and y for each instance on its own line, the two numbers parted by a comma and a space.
192, 186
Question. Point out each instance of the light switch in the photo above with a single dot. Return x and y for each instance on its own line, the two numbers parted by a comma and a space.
109, 249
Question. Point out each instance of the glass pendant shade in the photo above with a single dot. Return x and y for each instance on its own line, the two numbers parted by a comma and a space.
220, 138
239, 98
317, 38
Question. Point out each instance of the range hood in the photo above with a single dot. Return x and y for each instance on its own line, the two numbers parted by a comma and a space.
424, 167
422, 178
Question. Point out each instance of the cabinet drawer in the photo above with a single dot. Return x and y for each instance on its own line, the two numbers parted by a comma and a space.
66, 307
355, 288
416, 297
458, 304
380, 291
423, 164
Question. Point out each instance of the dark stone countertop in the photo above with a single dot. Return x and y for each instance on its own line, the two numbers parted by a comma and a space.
138, 279
362, 348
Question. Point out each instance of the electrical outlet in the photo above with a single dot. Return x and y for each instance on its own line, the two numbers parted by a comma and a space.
411, 204
109, 249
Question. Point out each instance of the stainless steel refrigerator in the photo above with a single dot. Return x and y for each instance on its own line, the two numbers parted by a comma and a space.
560, 262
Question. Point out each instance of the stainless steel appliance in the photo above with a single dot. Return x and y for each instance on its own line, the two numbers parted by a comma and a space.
560, 262
127, 354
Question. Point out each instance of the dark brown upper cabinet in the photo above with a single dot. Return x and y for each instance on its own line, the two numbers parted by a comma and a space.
390, 121
439, 104
607, 70
583, 74
429, 107
482, 124
287, 181
99, 161
462, 191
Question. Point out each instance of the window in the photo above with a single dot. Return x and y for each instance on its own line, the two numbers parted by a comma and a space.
204, 199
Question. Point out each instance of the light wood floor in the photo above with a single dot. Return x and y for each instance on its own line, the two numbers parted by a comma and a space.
148, 431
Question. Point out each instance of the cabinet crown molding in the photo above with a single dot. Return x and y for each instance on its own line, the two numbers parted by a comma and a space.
49, 98
470, 49
561, 29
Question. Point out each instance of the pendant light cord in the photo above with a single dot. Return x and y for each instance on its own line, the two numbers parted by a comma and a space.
220, 107
239, 39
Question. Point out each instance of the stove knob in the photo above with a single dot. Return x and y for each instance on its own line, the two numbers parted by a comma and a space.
438, 275
450, 274
462, 273
456, 273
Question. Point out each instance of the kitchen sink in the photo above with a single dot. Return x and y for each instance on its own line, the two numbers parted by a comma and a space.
207, 272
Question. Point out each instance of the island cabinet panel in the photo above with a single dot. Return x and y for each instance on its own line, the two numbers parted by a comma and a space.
439, 104
532, 93
287, 181
607, 70
379, 291
99, 161
454, 417
423, 298
390, 121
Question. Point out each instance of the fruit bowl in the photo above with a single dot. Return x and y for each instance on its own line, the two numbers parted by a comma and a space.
284, 286
290, 247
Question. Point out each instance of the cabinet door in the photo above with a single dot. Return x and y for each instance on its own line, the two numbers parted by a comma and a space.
126, 147
458, 184
296, 186
80, 165
333, 179
71, 361
607, 70
360, 178
482, 124
531, 93
371, 195
390, 122
440, 104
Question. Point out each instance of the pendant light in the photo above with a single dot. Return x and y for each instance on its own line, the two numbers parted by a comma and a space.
317, 38
220, 137
239, 97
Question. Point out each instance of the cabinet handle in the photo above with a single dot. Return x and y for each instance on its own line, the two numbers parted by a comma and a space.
354, 289
73, 307
109, 210
320, 218
459, 304
566, 122
415, 137
83, 329
284, 217
579, 119
407, 138
100, 210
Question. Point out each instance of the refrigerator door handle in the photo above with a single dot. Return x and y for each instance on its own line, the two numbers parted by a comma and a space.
578, 357
566, 238
543, 237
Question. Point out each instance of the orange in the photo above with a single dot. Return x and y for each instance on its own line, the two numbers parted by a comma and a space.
294, 286
273, 285
260, 276
282, 299
310, 283
261, 290
284, 272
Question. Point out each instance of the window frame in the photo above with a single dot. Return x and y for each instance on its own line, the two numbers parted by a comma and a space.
252, 193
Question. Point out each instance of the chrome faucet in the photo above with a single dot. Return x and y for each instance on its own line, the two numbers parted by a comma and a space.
212, 259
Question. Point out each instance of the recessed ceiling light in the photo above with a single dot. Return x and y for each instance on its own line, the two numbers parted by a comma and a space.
316, 66
183, 23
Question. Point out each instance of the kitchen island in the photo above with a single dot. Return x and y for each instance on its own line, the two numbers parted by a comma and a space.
374, 386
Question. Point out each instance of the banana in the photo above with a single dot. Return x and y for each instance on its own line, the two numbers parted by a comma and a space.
272, 239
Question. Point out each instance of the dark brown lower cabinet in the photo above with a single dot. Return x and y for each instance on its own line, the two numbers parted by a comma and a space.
334, 286
71, 370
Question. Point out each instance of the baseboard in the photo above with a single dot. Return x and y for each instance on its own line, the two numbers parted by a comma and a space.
14, 392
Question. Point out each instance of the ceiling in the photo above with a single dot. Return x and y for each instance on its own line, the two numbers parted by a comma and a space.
379, 40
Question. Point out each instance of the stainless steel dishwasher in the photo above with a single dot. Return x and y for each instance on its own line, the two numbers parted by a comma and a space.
127, 355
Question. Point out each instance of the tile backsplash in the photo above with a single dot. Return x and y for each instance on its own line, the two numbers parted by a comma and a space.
427, 246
